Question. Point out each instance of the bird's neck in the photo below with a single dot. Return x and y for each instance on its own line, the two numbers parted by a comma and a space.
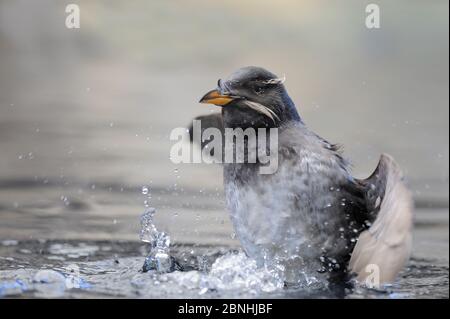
288, 112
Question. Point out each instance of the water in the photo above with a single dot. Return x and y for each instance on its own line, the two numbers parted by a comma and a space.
156, 269
227, 274
185, 249
76, 150
158, 258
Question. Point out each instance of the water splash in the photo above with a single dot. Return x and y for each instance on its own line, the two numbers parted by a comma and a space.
148, 229
159, 258
235, 271
12, 288
232, 271
49, 283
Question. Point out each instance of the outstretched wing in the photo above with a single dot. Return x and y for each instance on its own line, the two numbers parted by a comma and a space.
386, 245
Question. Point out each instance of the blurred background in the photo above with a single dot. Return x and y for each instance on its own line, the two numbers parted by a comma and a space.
85, 114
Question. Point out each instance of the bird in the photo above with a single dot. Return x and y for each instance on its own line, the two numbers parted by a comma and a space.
310, 218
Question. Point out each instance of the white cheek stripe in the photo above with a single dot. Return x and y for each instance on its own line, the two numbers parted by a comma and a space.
262, 109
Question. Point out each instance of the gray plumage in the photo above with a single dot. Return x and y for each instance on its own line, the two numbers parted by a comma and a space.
308, 216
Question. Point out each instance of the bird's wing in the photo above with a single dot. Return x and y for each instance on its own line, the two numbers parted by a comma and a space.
383, 249
208, 121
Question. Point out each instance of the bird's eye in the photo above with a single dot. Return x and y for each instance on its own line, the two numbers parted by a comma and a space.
258, 89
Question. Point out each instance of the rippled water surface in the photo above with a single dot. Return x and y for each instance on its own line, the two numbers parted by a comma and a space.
77, 269
85, 119
209, 262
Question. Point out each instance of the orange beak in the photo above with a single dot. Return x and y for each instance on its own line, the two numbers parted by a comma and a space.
215, 97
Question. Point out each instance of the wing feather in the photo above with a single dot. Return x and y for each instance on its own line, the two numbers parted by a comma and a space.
387, 243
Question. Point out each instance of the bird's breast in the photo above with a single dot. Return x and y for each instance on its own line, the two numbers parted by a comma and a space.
286, 215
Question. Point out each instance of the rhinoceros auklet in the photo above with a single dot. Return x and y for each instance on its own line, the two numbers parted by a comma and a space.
310, 217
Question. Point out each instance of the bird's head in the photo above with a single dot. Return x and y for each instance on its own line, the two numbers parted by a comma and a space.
252, 97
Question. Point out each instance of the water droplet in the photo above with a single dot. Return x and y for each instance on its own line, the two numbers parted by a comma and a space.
145, 190
148, 230
203, 291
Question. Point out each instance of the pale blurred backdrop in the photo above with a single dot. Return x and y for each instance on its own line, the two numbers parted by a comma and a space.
85, 115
